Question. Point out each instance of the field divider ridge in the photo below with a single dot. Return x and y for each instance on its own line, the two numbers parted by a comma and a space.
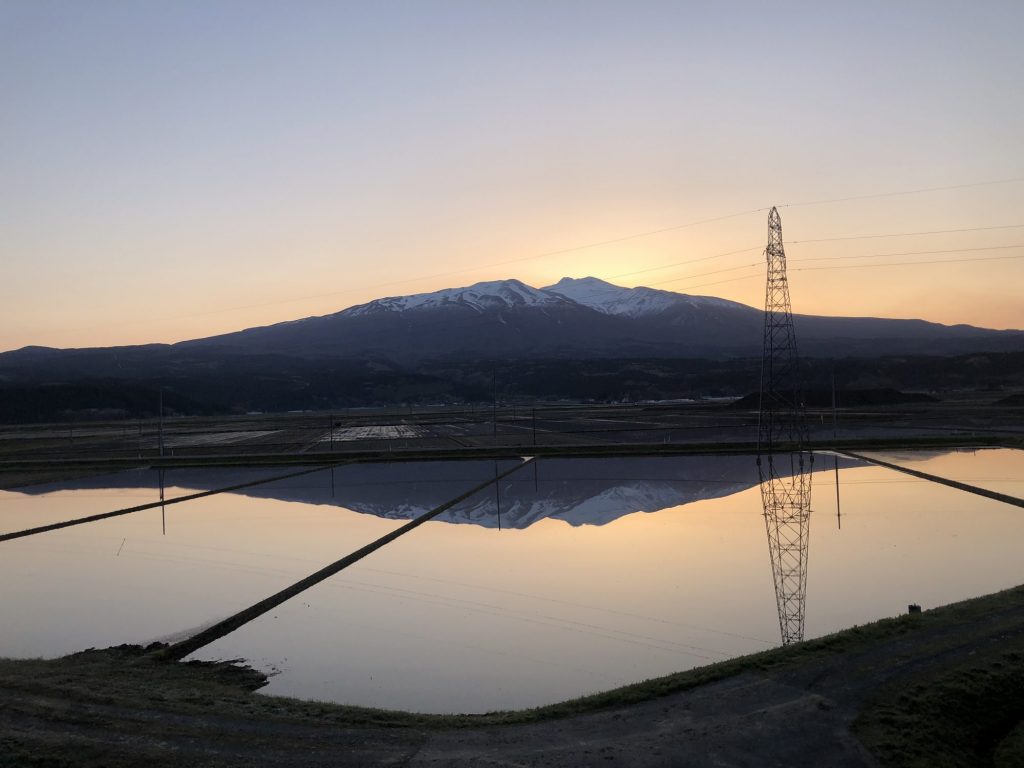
163, 503
181, 649
1003, 497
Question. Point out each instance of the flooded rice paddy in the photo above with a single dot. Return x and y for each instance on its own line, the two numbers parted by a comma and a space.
568, 577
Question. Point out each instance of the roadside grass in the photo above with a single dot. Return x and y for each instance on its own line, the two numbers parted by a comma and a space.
1009, 752
969, 715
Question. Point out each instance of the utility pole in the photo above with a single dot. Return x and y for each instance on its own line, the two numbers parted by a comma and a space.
835, 457
163, 509
497, 493
785, 490
160, 423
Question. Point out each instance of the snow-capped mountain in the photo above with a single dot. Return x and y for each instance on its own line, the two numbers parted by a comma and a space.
574, 319
589, 292
579, 319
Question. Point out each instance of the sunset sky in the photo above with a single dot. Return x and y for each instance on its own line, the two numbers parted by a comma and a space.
171, 170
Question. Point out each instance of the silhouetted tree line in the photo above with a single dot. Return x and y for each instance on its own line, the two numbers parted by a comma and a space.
277, 383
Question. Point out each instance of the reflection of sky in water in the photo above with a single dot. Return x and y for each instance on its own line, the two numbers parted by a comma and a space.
995, 469
467, 617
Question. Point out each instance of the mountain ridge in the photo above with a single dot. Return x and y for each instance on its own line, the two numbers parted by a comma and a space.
722, 325
582, 317
560, 341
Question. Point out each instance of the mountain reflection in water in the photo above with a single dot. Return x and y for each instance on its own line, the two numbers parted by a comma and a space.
575, 491
580, 492
464, 617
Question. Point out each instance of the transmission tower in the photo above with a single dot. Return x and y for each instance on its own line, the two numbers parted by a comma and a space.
781, 421
783, 458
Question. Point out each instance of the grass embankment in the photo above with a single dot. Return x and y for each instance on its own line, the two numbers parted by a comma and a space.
969, 715
959, 702
131, 676
942, 688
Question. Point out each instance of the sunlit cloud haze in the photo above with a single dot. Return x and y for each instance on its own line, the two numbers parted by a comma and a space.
175, 170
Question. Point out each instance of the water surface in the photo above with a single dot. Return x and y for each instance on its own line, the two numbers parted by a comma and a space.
573, 576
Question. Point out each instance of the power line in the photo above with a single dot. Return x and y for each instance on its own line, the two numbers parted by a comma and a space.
644, 234
843, 266
614, 276
910, 263
625, 238
912, 253
757, 276
904, 192
705, 274
685, 262
492, 264
906, 234
610, 241
830, 258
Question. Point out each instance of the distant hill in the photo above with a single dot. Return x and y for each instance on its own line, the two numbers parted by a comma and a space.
571, 339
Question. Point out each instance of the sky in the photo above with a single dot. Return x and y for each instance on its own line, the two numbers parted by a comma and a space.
172, 170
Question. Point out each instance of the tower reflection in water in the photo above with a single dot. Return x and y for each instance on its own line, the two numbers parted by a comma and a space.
786, 501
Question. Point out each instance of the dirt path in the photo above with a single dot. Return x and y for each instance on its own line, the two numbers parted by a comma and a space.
747, 720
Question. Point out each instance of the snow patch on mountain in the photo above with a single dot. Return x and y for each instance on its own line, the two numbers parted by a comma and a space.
589, 292
494, 294
633, 302
614, 299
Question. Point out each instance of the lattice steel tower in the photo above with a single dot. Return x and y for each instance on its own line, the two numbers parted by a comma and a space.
783, 457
